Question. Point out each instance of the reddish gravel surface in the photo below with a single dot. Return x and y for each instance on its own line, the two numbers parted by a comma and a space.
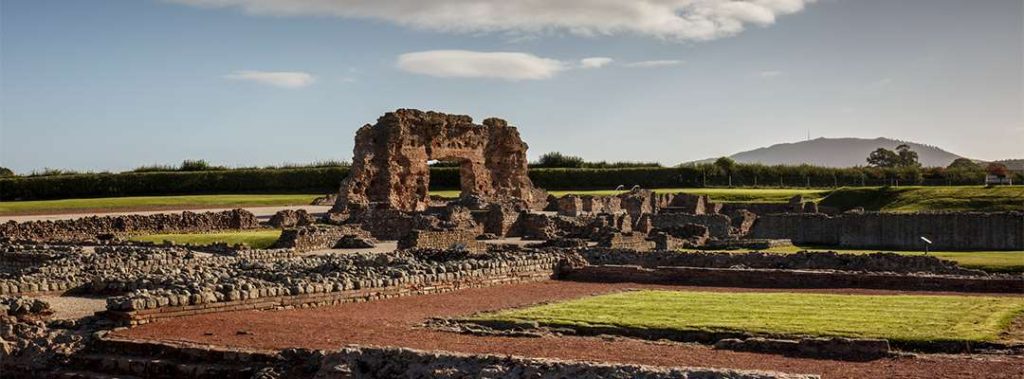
394, 322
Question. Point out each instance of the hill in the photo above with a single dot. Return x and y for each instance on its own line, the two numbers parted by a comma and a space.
837, 152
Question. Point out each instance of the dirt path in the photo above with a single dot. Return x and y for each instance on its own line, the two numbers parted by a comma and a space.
395, 322
260, 212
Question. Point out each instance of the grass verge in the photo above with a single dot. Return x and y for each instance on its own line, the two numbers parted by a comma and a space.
991, 261
917, 199
257, 239
901, 318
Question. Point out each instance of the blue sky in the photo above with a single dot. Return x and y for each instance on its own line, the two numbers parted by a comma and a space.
115, 84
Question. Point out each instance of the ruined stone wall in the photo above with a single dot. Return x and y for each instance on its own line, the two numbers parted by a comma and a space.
717, 224
634, 241
769, 278
90, 228
442, 239
947, 231
316, 237
878, 262
389, 164
401, 363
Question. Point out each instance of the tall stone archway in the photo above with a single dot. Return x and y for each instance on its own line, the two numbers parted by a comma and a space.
389, 164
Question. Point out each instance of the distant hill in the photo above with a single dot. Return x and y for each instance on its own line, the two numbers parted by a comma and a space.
1013, 164
836, 152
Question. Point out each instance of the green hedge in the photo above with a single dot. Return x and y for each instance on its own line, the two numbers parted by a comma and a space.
325, 180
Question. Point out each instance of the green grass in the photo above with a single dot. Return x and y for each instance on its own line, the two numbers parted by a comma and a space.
902, 318
257, 239
915, 199
992, 261
112, 204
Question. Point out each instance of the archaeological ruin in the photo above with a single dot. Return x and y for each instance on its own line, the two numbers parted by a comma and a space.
375, 286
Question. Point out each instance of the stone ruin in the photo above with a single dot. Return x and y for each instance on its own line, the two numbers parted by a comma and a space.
389, 164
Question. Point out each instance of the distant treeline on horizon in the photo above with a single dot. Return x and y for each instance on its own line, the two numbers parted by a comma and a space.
198, 177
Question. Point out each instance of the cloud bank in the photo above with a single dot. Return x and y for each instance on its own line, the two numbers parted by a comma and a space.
655, 63
678, 20
283, 79
474, 64
595, 62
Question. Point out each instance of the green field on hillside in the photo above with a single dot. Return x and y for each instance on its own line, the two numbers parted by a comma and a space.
904, 318
257, 239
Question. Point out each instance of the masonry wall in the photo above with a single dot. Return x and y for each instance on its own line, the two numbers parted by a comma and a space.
90, 228
766, 278
717, 224
947, 231
445, 239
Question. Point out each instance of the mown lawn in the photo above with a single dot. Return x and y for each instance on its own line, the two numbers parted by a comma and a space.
916, 199
992, 261
113, 204
257, 239
904, 318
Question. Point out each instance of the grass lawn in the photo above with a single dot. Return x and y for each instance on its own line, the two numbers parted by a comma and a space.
915, 199
257, 239
992, 261
904, 318
111, 204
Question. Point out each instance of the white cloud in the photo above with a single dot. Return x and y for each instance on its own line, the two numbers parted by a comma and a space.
595, 62
655, 63
770, 74
474, 64
678, 20
284, 79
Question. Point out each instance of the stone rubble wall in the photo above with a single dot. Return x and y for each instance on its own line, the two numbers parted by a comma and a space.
177, 360
444, 239
93, 228
316, 237
718, 224
111, 269
770, 278
315, 281
947, 230
377, 362
878, 262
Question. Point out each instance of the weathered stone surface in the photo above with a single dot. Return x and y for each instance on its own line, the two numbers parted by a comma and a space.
389, 165
289, 218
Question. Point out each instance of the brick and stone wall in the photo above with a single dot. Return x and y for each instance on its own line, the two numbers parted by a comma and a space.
316, 237
878, 262
947, 231
443, 239
769, 278
718, 225
92, 228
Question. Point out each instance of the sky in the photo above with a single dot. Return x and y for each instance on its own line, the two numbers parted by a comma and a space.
116, 84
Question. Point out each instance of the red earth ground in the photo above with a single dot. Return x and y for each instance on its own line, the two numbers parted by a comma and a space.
396, 322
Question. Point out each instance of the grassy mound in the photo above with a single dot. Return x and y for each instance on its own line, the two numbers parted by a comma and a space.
916, 199
895, 317
257, 239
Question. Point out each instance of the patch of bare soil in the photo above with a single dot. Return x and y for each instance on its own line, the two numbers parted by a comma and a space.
396, 322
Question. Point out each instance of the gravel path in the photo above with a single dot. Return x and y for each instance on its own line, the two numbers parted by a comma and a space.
72, 307
395, 322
